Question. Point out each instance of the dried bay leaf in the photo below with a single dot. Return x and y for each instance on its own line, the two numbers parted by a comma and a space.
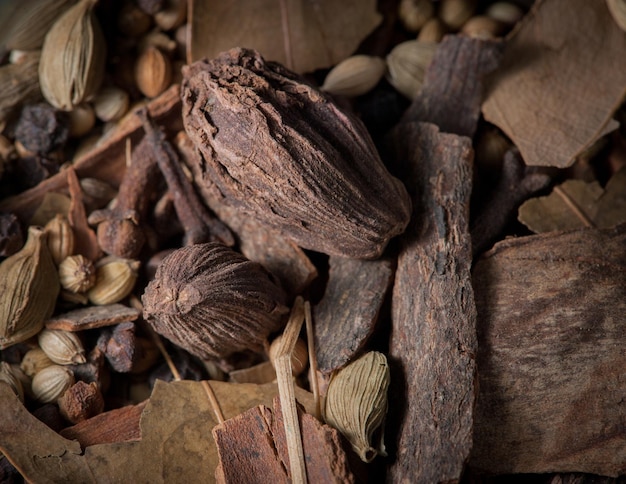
546, 96
175, 445
300, 34
560, 210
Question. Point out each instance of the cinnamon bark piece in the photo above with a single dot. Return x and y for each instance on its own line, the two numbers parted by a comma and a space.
433, 339
354, 295
253, 444
551, 354
93, 317
119, 425
453, 87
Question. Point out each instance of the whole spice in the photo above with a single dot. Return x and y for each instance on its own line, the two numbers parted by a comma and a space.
198, 223
355, 76
415, 13
432, 31
34, 361
77, 274
212, 301
482, 27
120, 229
81, 401
111, 104
455, 13
41, 128
356, 403
60, 238
82, 120
62, 347
29, 286
52, 382
153, 72
115, 279
72, 57
407, 63
279, 150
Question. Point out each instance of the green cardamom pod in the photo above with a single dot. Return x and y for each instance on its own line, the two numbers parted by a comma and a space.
73, 57
29, 285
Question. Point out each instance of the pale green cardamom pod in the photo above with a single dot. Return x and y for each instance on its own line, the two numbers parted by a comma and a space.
29, 285
72, 58
356, 403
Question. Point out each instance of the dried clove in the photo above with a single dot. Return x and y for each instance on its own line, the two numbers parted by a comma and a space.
198, 223
120, 231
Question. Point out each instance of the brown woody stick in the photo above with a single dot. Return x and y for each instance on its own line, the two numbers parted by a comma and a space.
433, 338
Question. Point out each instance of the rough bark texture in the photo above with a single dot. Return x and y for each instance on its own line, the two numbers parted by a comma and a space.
354, 295
433, 341
119, 425
551, 354
93, 317
453, 87
252, 448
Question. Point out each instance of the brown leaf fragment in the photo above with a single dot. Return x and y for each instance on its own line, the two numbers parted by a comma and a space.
280, 256
551, 338
93, 317
546, 96
175, 434
107, 160
118, 425
433, 339
453, 87
300, 34
576, 204
31, 445
354, 295
262, 429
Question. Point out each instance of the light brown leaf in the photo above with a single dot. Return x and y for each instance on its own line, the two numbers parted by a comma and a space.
560, 81
302, 34
176, 441
576, 204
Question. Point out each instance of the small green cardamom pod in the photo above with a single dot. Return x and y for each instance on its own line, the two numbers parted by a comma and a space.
29, 285
356, 403
72, 58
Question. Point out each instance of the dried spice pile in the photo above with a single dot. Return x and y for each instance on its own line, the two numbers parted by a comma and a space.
312, 241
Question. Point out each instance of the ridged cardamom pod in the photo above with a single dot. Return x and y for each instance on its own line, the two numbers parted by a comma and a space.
29, 285
62, 347
73, 57
356, 403
212, 301
280, 150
